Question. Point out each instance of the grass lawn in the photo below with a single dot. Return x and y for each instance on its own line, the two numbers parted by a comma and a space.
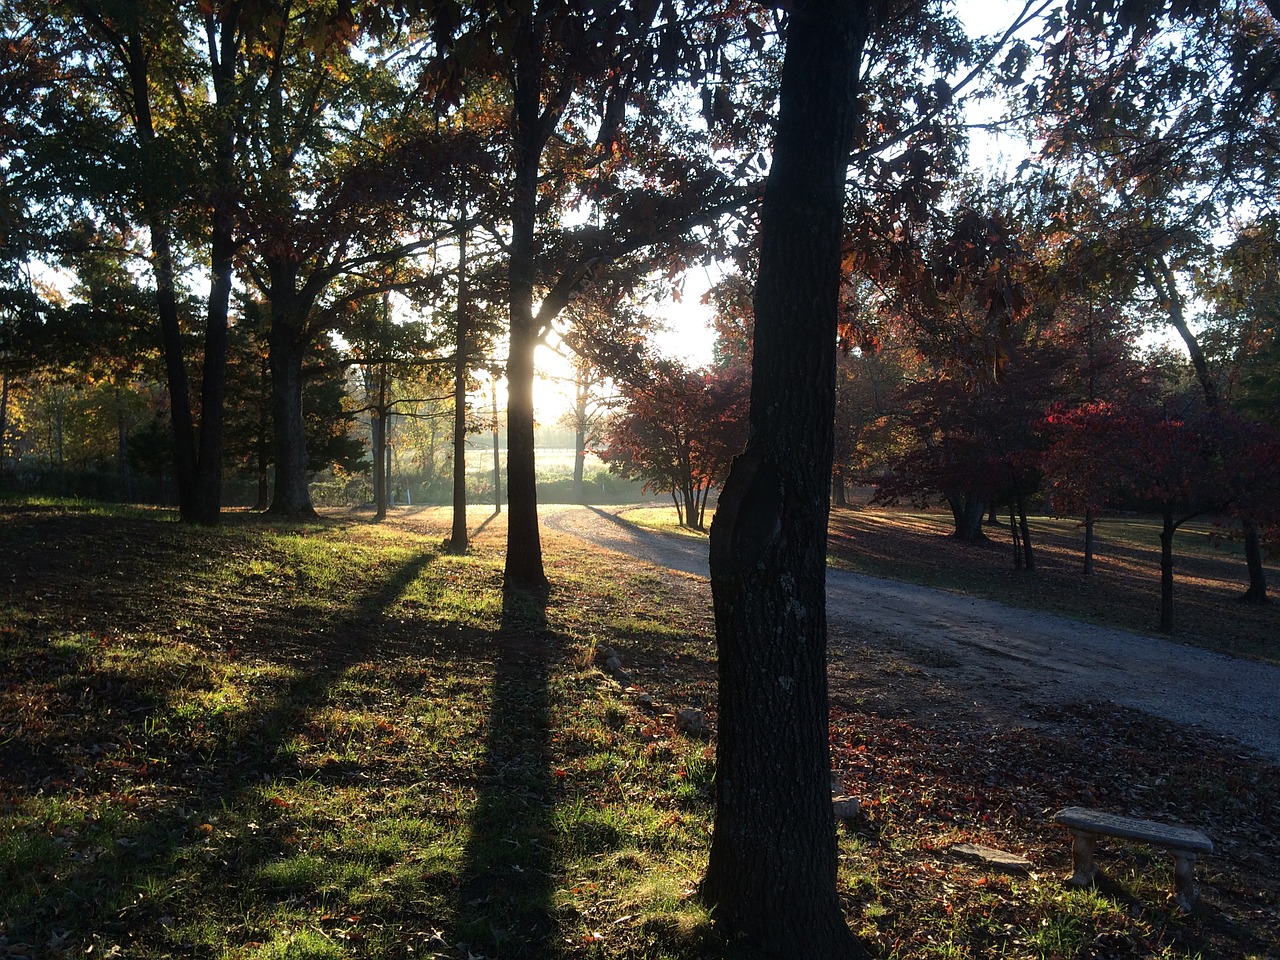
333, 740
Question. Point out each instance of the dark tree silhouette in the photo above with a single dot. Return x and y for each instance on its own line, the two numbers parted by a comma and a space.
772, 870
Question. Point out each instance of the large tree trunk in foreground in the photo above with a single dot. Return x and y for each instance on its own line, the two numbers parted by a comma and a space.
771, 876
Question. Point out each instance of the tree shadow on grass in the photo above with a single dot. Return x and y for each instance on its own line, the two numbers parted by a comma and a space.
107, 874
503, 903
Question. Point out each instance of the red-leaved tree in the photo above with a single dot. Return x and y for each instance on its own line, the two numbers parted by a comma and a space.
1102, 454
679, 433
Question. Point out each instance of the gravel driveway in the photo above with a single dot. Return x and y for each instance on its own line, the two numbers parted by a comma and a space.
1001, 657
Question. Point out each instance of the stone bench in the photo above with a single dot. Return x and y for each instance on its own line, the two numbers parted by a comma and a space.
1087, 825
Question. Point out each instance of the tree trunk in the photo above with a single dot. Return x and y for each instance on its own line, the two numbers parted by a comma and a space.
222, 251
264, 435
292, 496
1088, 543
213, 381
181, 421
1028, 556
4, 421
1257, 592
497, 458
1165, 284
1166, 569
524, 543
967, 512
1166, 287
771, 876
458, 536
378, 448
837, 488
122, 446
1015, 534
579, 441
58, 402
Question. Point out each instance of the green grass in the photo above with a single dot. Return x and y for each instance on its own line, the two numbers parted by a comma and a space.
664, 520
331, 740
325, 740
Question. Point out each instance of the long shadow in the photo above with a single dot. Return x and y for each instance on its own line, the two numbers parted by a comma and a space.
503, 905
693, 553
485, 523
212, 780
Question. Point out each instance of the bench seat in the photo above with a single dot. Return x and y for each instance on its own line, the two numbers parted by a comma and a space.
1086, 826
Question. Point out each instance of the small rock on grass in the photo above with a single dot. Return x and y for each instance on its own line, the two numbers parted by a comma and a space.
693, 722
845, 808
1000, 860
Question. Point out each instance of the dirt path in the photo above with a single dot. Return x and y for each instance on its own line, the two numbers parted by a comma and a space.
997, 658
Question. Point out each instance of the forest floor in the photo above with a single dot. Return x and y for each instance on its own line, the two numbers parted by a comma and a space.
334, 740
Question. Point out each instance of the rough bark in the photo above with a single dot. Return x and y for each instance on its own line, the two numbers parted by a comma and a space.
771, 876
264, 436
180, 419
224, 52
213, 382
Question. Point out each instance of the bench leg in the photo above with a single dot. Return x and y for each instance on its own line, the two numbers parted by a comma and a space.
1184, 880
1082, 848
